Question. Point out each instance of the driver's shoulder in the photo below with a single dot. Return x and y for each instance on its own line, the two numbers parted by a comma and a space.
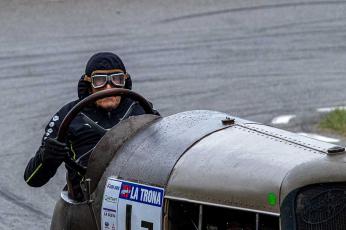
67, 107
63, 111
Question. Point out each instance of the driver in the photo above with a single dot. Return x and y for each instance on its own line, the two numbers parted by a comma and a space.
103, 71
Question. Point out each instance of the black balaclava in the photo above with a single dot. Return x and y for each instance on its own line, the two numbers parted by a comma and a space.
104, 61
101, 61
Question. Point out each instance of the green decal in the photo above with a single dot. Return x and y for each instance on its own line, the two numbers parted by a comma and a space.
272, 199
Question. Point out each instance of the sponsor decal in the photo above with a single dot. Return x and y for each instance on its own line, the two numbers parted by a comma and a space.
125, 191
55, 118
106, 225
146, 204
109, 212
113, 187
50, 130
51, 124
47, 134
141, 194
111, 199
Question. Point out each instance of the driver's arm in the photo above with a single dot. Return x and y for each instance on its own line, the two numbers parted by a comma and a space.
49, 156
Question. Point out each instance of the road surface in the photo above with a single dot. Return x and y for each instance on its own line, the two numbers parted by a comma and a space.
254, 59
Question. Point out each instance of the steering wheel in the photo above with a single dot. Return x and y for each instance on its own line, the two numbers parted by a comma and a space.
89, 100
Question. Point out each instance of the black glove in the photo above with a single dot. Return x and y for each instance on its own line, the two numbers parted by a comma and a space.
53, 152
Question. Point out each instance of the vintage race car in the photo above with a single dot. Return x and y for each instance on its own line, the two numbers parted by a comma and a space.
205, 170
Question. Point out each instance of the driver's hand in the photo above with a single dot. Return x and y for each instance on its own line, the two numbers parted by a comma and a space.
54, 152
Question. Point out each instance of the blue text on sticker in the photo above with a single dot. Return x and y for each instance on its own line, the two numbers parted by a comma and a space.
141, 194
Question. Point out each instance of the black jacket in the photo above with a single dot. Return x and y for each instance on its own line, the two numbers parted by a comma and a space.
84, 133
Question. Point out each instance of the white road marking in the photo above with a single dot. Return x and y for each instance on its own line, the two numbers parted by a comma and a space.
284, 119
319, 137
330, 109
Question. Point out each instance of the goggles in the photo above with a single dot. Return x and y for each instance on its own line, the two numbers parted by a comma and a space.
99, 80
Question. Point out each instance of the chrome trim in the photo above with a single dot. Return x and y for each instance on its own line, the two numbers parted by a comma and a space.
222, 206
200, 217
257, 221
64, 196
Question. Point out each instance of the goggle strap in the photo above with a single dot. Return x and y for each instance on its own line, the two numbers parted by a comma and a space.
108, 71
87, 78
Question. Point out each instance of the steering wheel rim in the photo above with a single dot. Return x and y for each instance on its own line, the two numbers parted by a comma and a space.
63, 129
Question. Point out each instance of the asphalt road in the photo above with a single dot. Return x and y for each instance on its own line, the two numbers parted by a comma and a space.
254, 59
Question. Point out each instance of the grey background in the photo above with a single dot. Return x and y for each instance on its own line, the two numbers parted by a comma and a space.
254, 59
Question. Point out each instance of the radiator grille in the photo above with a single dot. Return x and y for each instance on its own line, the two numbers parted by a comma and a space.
321, 207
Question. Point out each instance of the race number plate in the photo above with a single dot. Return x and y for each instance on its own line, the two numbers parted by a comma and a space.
129, 206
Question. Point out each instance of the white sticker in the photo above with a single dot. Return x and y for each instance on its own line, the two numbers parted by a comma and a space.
47, 134
51, 124
55, 118
50, 130
124, 200
109, 213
